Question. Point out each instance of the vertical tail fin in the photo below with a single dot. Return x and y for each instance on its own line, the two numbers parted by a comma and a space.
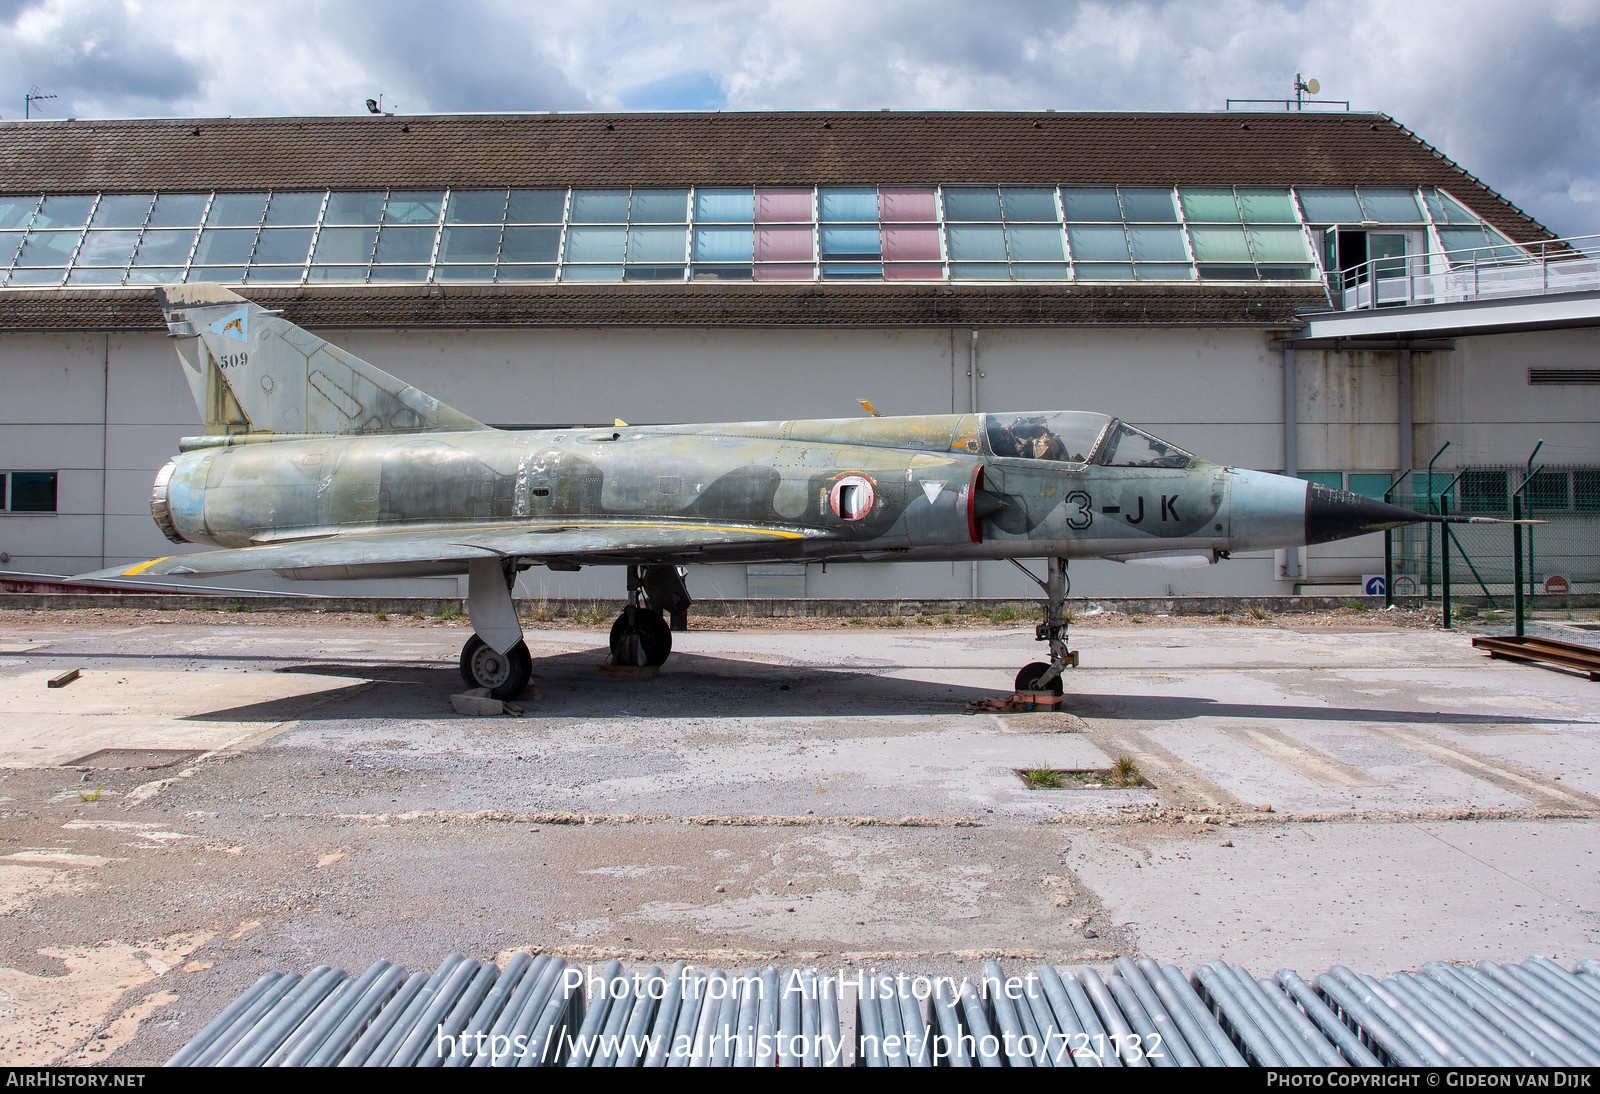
251, 371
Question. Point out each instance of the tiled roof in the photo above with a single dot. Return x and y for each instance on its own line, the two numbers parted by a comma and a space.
692, 304
738, 149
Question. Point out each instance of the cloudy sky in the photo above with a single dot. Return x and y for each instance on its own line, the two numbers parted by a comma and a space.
1511, 90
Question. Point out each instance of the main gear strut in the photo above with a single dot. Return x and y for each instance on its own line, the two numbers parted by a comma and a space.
1040, 676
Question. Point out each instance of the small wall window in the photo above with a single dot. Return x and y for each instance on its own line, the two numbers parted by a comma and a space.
28, 491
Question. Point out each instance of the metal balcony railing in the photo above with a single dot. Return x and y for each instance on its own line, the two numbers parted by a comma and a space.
1474, 273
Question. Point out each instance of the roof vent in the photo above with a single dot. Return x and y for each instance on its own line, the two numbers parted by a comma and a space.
609, 127
827, 125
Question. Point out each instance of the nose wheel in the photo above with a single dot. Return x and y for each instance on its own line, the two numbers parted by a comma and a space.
504, 674
640, 636
1042, 675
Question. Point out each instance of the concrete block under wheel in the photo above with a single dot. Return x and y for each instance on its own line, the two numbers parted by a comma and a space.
476, 703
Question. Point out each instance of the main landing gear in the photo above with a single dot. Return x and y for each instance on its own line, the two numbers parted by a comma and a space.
641, 636
495, 657
1040, 676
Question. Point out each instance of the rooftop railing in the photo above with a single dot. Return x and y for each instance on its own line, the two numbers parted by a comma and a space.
1473, 273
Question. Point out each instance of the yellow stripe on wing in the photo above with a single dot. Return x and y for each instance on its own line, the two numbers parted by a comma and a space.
143, 566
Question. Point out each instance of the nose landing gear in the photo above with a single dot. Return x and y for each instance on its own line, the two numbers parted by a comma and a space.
641, 636
1039, 675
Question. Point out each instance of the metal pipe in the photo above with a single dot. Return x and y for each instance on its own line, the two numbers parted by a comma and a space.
383, 1020
484, 1017
869, 1026
1344, 1038
1181, 994
1514, 1003
1150, 1043
1251, 1026
1448, 1027
978, 1027
951, 1049
218, 1025
916, 1029
1030, 1024
455, 1020
1550, 1008
1056, 1047
562, 1009
373, 993
1373, 1028
767, 1019
651, 989
1004, 1009
595, 1018
400, 1026
283, 1019
1469, 1025
810, 1019
1097, 1040
1313, 1043
314, 1027
1423, 1035
830, 1046
727, 1020
694, 992
543, 995
750, 1003
1428, 528
886, 998
511, 1004
1171, 1024
1291, 446
1122, 1043
1564, 985
416, 1034
664, 1028
789, 1019
1513, 1024
1583, 1022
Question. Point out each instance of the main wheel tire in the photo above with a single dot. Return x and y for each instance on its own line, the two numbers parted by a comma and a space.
651, 631
1028, 679
504, 674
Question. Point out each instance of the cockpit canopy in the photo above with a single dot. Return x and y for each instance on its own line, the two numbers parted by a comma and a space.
1079, 437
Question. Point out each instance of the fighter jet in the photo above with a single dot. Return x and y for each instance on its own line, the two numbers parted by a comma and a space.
317, 465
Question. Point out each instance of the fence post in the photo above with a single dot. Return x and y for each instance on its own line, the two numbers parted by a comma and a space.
1516, 560
1444, 560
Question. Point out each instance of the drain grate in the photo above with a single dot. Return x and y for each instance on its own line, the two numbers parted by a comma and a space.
149, 759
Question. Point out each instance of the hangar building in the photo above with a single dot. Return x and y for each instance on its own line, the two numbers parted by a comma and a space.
1302, 292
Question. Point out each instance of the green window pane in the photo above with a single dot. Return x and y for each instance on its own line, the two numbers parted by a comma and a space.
221, 275
405, 244
1164, 271
1484, 492
977, 243
304, 206
121, 210
1091, 203
1586, 489
1227, 271
464, 273
597, 245
531, 244
348, 207
236, 210
658, 244
1098, 243
347, 246
1390, 206
1041, 271
33, 491
1148, 203
224, 246
470, 245
1370, 486
1104, 271
1219, 244
599, 207
537, 207
1453, 210
331, 273
64, 211
164, 247
1209, 204
413, 207
178, 211
47, 248
1334, 480
1548, 490
971, 203
652, 273
476, 207
1157, 243
1036, 243
1028, 203
1266, 206
979, 271
660, 206
591, 273
1329, 206
15, 212
1279, 245
525, 273
285, 245
107, 248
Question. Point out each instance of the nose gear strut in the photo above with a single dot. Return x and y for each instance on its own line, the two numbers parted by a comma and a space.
1040, 676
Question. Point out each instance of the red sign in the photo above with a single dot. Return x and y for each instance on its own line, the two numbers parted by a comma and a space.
1556, 585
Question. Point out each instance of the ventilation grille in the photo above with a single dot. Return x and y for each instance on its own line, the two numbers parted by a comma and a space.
1564, 376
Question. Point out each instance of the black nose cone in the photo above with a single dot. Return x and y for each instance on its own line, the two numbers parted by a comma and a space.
1338, 514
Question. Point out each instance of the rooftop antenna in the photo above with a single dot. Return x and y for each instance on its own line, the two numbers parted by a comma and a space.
1303, 86
35, 94
375, 106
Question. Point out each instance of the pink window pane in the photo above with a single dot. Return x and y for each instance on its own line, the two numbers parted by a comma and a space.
784, 245
780, 206
919, 244
786, 273
913, 271
903, 203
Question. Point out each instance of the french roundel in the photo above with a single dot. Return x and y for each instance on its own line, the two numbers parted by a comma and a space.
852, 497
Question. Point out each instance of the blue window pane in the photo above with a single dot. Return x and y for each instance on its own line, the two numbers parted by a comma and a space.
236, 210
413, 207
1038, 243
660, 206
1219, 244
536, 207
1279, 245
303, 208
329, 273
725, 206
470, 245
532, 244
590, 273
852, 271
525, 273
107, 248
464, 273
168, 247
1041, 271
405, 244
280, 275
1266, 206
220, 275
343, 208
1149, 204
1090, 203
476, 207
402, 274
284, 245
979, 271
847, 203
1390, 206
337, 245
724, 244
121, 210
90, 275
224, 246
1329, 206
652, 273
1153, 243
9, 242
1104, 271
1028, 203
976, 243
658, 244
1209, 203
64, 211
597, 245
1098, 243
852, 242
15, 212
971, 203
178, 211
47, 248
599, 207
154, 275
21, 276
1164, 271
